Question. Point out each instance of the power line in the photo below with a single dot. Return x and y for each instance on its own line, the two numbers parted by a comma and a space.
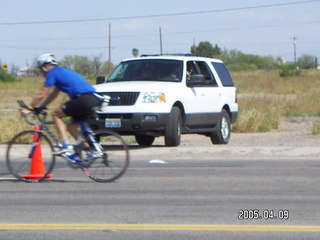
168, 33
161, 15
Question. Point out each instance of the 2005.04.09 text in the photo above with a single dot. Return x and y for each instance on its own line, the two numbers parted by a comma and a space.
255, 214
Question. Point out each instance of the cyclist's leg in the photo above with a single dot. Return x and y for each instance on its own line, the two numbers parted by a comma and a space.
73, 129
71, 108
57, 116
67, 148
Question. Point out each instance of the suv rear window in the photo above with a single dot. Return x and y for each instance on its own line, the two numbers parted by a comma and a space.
223, 74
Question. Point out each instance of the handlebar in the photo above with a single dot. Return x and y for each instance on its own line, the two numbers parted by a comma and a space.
40, 114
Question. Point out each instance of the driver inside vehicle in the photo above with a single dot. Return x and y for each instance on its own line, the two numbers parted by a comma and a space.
146, 74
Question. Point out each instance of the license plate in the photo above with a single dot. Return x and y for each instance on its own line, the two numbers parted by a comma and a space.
112, 123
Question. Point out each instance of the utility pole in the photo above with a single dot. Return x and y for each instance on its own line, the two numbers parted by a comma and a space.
160, 40
294, 49
109, 53
194, 51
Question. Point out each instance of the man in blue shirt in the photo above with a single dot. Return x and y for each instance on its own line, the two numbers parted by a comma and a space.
82, 99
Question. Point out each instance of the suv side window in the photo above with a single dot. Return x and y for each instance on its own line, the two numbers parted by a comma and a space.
223, 74
191, 68
204, 70
199, 67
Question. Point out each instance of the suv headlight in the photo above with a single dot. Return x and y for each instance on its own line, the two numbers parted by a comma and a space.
154, 97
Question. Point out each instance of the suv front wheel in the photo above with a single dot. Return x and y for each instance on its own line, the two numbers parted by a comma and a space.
222, 134
172, 135
144, 140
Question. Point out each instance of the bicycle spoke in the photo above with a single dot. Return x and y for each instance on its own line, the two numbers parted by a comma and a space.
25, 167
114, 161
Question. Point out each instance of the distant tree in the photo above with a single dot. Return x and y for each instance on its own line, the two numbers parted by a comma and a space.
68, 62
96, 65
107, 68
83, 65
307, 61
206, 48
14, 69
237, 61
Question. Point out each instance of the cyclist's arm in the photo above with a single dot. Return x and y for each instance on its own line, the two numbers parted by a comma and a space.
42, 94
36, 101
51, 97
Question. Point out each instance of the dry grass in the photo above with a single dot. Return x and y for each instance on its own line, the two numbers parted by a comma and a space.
264, 98
316, 126
263, 81
10, 121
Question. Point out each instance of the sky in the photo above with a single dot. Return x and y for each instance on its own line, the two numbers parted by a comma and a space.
81, 27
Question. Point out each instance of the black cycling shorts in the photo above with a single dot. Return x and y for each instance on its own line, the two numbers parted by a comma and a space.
80, 108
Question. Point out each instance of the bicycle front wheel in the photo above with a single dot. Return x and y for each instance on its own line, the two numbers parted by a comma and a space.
113, 162
29, 156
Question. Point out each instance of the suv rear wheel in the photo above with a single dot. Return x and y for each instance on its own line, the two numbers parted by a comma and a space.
222, 134
172, 135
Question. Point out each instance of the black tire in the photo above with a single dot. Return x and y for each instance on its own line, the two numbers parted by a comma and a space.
21, 151
222, 134
145, 140
114, 161
172, 135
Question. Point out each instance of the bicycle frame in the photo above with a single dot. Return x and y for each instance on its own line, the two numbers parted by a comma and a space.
85, 131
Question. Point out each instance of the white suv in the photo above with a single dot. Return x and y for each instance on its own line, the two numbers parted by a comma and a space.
168, 96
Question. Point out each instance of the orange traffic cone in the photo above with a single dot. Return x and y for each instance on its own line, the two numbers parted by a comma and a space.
37, 166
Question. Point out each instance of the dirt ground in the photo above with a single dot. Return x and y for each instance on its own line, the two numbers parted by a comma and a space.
293, 140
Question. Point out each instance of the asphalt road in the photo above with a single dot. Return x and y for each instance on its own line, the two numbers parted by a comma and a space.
182, 199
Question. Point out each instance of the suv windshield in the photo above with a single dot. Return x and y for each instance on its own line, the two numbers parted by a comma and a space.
148, 70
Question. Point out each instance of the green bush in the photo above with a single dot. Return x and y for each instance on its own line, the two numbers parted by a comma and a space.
290, 70
242, 67
253, 120
5, 77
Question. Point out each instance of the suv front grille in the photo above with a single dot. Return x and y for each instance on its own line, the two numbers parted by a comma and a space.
122, 98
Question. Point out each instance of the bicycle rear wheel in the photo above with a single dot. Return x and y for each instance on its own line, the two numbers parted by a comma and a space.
114, 161
29, 156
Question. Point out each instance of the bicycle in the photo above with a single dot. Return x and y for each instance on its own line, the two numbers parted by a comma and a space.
102, 155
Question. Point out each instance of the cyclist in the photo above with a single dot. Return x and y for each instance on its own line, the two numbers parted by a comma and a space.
79, 107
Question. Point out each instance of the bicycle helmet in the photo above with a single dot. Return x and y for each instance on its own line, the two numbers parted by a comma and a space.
47, 58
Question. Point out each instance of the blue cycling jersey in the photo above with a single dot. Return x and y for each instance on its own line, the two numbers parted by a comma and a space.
68, 81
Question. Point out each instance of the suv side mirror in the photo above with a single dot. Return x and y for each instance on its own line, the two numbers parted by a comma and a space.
100, 79
196, 79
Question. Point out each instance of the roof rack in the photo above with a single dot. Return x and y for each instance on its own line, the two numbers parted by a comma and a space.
176, 54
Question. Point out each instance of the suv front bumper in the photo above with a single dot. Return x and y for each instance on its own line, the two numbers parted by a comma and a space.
133, 123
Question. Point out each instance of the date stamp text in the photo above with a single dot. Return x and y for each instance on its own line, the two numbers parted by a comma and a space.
266, 214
